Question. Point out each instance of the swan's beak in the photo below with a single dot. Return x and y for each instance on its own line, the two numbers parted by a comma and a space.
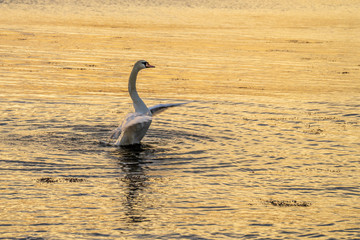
149, 66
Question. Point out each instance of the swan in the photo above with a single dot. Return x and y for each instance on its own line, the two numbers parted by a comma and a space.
135, 125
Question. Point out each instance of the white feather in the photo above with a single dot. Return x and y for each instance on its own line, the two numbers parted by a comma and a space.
135, 125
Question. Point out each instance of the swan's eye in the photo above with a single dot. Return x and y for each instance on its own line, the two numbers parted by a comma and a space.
145, 63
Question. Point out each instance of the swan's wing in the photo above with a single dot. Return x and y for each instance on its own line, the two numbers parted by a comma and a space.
133, 129
115, 133
131, 120
135, 119
162, 107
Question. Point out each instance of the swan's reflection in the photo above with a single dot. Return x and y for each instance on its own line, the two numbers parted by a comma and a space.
132, 161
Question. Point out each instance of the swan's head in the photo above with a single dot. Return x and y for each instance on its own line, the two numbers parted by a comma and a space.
143, 64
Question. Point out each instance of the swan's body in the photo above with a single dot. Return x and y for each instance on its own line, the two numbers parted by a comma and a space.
136, 124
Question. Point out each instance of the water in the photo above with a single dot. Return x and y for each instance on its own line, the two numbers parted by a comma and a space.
267, 148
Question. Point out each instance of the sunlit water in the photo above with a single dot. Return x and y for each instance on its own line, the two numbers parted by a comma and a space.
268, 146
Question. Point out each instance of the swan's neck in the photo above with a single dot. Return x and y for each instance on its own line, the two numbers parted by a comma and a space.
138, 103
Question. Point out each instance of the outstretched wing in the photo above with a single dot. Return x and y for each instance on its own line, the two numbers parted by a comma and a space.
134, 129
132, 119
116, 132
162, 107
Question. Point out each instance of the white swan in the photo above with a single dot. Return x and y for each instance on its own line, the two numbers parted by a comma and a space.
135, 125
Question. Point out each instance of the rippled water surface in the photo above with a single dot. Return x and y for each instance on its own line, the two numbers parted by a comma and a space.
267, 147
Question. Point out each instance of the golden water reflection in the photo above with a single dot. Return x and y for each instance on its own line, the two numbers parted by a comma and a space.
268, 146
